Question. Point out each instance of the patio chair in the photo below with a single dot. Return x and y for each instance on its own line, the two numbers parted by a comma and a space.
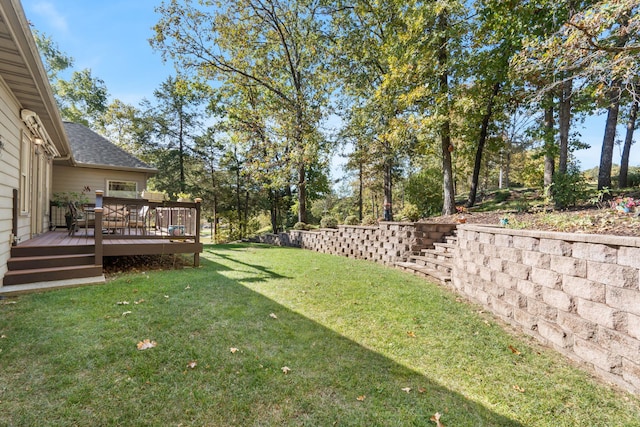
77, 219
140, 219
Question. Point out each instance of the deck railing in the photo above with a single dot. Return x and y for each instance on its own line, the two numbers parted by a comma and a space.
141, 219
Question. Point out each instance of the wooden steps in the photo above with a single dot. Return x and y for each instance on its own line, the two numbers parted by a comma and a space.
433, 263
41, 264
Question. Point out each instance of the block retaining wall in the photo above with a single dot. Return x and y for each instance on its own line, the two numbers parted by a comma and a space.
579, 294
386, 243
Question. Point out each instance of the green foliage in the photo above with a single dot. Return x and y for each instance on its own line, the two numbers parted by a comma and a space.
328, 222
409, 212
502, 196
570, 188
300, 226
352, 220
369, 220
424, 191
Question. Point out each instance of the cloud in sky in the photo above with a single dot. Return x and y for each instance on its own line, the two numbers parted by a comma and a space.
50, 13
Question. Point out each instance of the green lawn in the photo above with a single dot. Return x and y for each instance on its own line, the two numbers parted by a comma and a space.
365, 345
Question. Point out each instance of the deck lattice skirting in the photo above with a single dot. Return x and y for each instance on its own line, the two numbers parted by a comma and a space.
577, 293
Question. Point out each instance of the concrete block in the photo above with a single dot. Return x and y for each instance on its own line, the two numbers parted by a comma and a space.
502, 308
526, 243
536, 259
629, 256
631, 374
504, 280
577, 325
569, 266
627, 300
601, 314
591, 352
595, 252
555, 334
528, 321
509, 254
517, 270
613, 275
583, 288
558, 299
619, 343
546, 278
486, 238
633, 325
529, 289
542, 310
515, 299
555, 247
503, 240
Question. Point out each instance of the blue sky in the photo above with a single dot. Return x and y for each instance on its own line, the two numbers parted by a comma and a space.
110, 37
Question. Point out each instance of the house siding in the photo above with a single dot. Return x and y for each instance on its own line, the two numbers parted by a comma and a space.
11, 128
77, 179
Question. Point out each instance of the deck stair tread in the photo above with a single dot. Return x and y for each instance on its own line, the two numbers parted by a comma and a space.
18, 277
44, 261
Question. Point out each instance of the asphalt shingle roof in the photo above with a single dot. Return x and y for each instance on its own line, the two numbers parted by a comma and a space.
90, 148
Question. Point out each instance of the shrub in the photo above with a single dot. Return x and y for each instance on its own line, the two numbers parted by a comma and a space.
300, 226
409, 212
569, 188
369, 220
352, 220
328, 222
501, 196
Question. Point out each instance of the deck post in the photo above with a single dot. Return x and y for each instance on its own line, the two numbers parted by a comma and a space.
196, 256
97, 230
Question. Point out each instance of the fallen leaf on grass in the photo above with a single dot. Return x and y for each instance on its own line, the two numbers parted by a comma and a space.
140, 301
422, 390
411, 334
518, 388
285, 369
146, 344
406, 389
233, 349
166, 296
122, 303
273, 316
126, 312
514, 350
361, 398
192, 364
187, 288
3, 336
436, 419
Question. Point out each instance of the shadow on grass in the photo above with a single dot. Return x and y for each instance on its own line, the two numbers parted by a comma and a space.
52, 372
220, 267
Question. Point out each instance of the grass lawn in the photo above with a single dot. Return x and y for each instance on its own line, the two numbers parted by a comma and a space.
362, 344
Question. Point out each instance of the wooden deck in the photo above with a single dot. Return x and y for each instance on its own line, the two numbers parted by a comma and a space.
118, 227
116, 245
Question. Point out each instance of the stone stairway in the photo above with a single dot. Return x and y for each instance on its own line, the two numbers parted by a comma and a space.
434, 263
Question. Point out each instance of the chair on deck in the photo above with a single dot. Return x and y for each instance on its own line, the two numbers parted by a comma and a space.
140, 219
78, 219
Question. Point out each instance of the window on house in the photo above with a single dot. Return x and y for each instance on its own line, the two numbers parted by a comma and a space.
122, 189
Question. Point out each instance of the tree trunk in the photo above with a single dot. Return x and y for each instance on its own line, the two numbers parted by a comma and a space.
360, 190
549, 146
606, 156
564, 123
484, 130
302, 194
273, 197
388, 189
449, 201
626, 150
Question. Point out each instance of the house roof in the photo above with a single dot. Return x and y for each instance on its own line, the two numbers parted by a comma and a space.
22, 70
90, 149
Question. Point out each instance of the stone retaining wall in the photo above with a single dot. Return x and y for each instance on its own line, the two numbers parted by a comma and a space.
386, 243
579, 294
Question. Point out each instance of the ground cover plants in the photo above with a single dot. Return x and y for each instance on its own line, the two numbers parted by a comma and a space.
265, 336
